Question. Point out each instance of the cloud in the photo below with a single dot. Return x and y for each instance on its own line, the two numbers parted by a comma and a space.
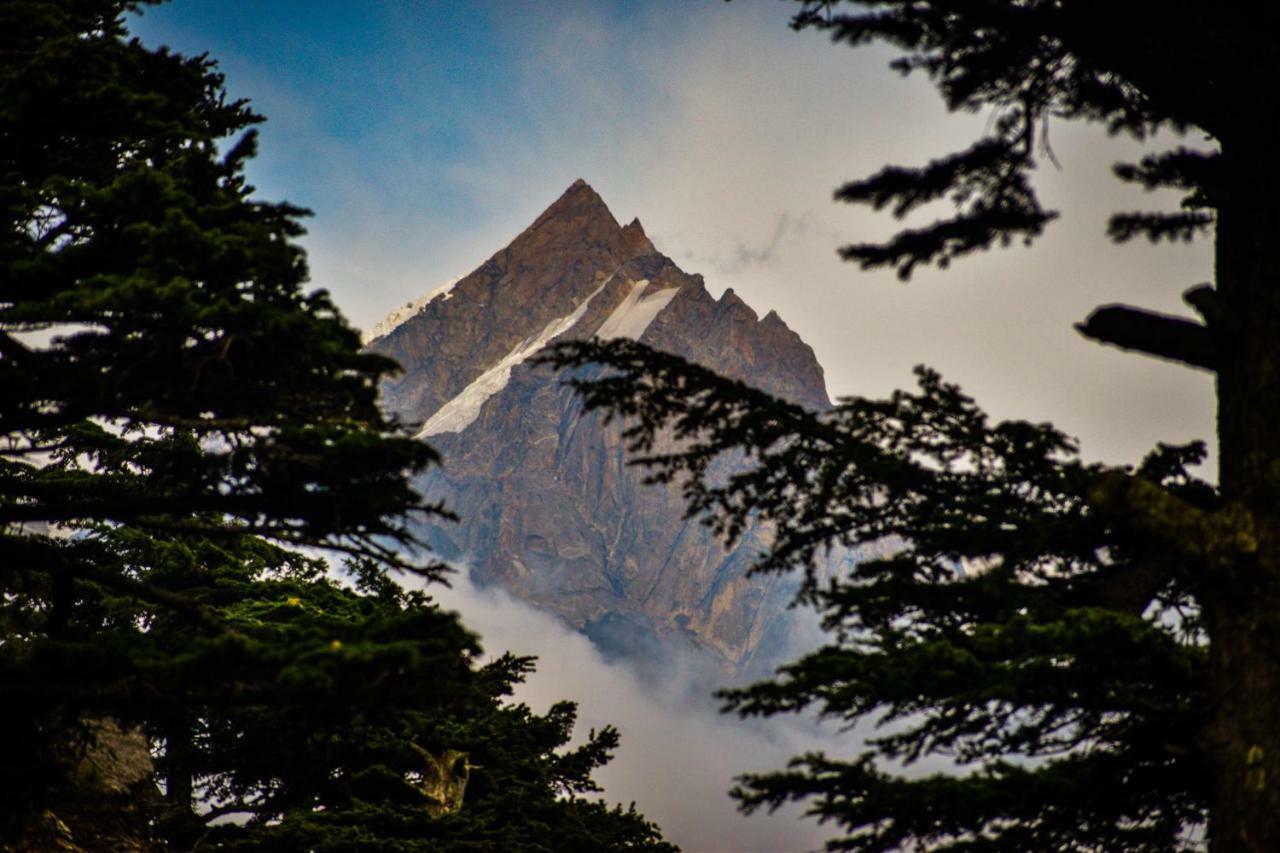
724, 132
678, 755
741, 256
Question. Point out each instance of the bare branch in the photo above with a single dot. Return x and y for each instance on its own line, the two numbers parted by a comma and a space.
1160, 335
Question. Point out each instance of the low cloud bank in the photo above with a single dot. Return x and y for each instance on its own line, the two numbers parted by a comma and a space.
678, 755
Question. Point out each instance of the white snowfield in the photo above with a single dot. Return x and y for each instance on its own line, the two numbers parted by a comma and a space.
630, 319
460, 412
634, 314
392, 321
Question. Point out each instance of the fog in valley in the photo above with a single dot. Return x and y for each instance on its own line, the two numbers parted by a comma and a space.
678, 754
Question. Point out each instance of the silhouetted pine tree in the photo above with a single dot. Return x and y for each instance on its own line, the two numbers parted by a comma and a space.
177, 417
1098, 649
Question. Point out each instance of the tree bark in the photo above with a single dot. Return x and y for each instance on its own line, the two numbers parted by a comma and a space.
1242, 603
180, 818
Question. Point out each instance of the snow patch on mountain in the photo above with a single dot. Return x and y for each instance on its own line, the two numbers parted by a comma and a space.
634, 314
392, 321
460, 412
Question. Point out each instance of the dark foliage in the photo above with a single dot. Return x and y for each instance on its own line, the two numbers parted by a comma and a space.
992, 618
178, 416
1087, 657
1031, 62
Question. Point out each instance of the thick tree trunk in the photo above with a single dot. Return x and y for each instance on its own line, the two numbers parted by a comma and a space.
1242, 606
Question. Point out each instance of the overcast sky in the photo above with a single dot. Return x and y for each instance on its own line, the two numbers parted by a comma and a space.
426, 135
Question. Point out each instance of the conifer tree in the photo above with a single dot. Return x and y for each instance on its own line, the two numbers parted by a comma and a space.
1096, 650
178, 417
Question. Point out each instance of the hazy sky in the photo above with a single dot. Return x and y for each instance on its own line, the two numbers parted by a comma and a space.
425, 135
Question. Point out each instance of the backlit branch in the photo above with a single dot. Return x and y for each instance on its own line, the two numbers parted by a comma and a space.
1159, 335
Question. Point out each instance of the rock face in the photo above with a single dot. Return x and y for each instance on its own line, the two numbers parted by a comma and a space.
111, 801
550, 510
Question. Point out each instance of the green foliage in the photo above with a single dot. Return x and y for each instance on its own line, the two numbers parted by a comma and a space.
994, 618
190, 384
337, 691
179, 416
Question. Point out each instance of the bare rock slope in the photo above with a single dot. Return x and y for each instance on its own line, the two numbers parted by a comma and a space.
550, 510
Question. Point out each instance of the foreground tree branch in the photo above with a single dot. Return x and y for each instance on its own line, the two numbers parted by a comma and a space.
991, 599
1220, 538
1005, 600
1154, 334
193, 421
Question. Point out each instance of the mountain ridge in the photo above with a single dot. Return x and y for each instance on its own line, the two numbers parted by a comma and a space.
551, 511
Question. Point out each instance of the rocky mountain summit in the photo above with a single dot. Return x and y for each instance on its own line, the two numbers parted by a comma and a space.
550, 510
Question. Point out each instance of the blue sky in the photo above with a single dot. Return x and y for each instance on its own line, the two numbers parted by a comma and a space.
350, 82
426, 134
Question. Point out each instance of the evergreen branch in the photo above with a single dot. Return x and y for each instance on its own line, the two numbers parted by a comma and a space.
1186, 226
239, 807
54, 557
153, 594
1130, 589
1220, 538
358, 547
1001, 807
988, 185
950, 238
1181, 168
958, 175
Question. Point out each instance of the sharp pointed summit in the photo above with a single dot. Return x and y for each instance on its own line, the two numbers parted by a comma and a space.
636, 241
579, 211
552, 511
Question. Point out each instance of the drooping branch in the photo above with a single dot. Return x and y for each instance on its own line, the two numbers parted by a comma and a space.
988, 184
909, 189
1160, 335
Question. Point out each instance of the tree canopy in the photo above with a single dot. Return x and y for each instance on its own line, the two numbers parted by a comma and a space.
1091, 652
179, 419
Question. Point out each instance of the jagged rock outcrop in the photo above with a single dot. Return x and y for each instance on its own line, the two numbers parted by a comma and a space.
550, 510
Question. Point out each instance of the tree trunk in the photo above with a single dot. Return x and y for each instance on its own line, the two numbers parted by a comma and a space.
1242, 606
180, 823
